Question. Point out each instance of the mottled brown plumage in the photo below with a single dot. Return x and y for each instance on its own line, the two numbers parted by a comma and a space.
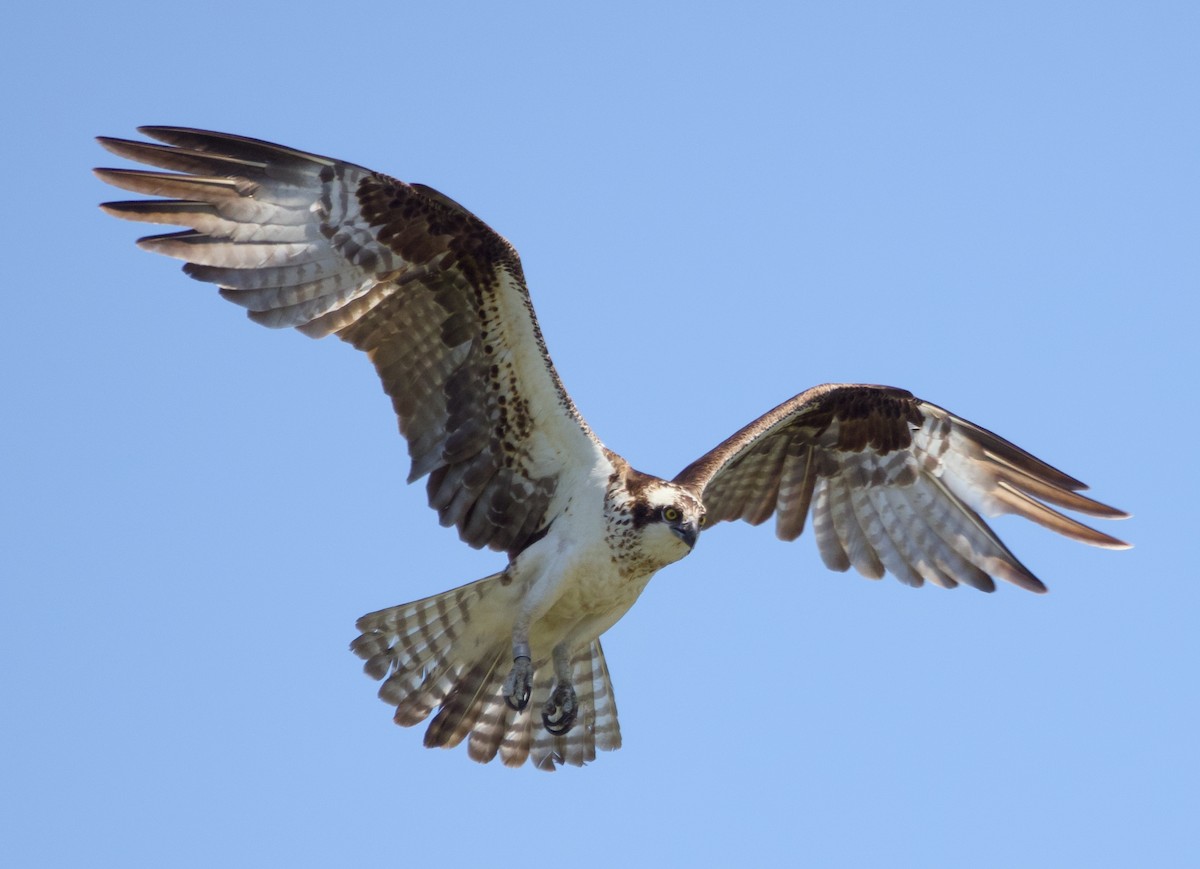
401, 272
438, 302
840, 441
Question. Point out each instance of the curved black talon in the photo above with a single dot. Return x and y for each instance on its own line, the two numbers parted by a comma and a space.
561, 710
519, 684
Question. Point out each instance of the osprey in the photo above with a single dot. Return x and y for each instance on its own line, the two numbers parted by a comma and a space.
438, 302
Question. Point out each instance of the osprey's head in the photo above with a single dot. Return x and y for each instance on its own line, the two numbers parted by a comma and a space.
669, 519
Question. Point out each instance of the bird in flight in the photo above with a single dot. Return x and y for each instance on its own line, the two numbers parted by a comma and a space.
512, 662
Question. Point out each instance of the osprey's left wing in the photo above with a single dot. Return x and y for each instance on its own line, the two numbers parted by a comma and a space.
894, 483
434, 297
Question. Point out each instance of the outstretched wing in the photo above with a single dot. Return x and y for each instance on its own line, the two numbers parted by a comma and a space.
894, 483
434, 297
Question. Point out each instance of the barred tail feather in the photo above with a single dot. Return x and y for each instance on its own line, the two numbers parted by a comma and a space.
462, 710
596, 727
448, 657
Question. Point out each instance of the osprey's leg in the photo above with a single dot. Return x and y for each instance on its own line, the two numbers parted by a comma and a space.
558, 713
520, 679
538, 598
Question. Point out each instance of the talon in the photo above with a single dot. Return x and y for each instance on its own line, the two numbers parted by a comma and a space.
519, 683
559, 712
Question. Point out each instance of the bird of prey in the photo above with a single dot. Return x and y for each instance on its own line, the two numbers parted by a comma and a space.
438, 301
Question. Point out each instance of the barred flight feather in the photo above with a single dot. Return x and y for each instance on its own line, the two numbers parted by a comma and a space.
435, 297
893, 483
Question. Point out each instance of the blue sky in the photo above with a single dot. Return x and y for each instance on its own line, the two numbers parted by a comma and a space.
993, 205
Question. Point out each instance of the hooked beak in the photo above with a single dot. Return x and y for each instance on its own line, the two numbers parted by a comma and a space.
687, 532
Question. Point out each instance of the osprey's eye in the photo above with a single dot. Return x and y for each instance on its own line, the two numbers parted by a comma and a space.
670, 514
703, 521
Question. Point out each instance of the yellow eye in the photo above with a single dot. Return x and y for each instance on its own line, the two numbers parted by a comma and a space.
703, 521
670, 514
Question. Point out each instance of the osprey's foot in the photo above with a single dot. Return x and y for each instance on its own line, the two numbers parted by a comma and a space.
559, 712
519, 683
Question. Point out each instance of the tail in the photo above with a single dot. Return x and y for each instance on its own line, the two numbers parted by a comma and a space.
451, 652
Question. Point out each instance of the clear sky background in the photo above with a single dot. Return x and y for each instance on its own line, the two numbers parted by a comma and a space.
991, 204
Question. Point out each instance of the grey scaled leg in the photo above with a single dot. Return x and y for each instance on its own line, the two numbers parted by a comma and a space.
560, 711
520, 679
